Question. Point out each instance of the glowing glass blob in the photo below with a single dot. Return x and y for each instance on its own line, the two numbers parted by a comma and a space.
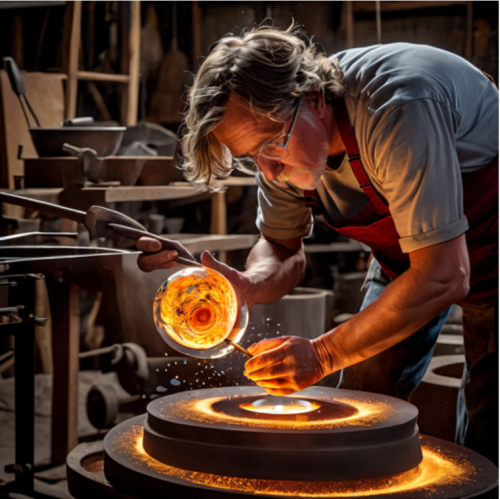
280, 405
197, 309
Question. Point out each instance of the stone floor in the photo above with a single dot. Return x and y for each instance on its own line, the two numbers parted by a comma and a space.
50, 482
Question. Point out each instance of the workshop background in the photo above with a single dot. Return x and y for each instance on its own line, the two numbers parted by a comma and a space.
99, 357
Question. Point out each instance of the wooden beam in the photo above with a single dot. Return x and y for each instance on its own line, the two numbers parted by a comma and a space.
65, 310
379, 21
349, 24
130, 100
92, 76
17, 41
399, 6
43, 335
74, 50
469, 33
196, 13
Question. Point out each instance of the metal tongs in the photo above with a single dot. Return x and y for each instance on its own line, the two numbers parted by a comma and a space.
102, 222
185, 257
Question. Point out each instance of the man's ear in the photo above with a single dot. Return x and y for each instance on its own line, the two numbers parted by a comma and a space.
317, 104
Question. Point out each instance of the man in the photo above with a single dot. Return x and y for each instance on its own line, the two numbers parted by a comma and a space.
397, 146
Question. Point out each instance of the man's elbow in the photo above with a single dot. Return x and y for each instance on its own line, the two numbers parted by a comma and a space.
459, 286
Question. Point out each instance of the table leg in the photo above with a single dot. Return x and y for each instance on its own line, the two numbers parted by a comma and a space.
65, 311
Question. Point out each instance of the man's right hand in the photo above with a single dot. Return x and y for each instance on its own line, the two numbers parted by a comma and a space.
152, 258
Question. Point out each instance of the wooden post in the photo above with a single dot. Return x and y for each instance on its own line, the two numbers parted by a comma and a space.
74, 50
379, 21
218, 223
65, 310
349, 24
196, 34
17, 41
469, 33
43, 334
130, 63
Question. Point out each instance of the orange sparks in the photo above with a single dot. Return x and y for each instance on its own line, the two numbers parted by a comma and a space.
437, 469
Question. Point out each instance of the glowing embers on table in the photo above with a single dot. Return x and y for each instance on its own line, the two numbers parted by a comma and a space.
197, 309
446, 471
194, 444
280, 406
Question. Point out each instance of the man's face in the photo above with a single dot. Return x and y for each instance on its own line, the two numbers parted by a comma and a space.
244, 133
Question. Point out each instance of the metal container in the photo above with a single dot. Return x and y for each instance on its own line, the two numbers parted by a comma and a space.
49, 141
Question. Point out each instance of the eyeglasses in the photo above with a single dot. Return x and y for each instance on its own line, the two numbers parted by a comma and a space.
276, 152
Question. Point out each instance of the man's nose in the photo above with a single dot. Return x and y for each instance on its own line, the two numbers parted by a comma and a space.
270, 168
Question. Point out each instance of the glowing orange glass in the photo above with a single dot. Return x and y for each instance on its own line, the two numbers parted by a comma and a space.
197, 309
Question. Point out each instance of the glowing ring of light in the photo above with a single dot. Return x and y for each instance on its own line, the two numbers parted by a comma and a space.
438, 469
368, 413
280, 406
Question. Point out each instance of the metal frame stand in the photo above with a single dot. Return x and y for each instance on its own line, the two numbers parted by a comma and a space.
22, 326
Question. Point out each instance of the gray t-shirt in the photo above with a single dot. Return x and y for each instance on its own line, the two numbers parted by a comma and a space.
422, 118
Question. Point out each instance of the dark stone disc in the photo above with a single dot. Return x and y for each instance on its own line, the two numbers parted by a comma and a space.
351, 435
129, 470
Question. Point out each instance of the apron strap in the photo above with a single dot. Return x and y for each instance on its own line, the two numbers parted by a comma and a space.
314, 202
349, 140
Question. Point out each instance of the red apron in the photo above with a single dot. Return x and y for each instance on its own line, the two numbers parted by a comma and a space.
375, 225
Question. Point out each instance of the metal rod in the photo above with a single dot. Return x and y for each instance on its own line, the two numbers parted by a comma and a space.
184, 256
31, 110
239, 348
53, 209
38, 233
11, 310
96, 352
24, 111
24, 371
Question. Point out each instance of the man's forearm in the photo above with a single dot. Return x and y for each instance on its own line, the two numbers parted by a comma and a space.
405, 306
274, 270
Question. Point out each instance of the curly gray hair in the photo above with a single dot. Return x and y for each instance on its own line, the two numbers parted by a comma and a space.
266, 68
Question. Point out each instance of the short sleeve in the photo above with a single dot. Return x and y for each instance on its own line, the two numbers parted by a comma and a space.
417, 167
282, 212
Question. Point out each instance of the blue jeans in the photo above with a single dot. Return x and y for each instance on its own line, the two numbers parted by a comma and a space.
398, 370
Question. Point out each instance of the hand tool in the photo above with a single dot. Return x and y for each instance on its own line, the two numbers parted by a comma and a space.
102, 222
17, 84
96, 219
185, 257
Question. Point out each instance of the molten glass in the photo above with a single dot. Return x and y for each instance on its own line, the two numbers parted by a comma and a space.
197, 309
280, 405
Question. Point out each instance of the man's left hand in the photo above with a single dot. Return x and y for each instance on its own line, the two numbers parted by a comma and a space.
284, 365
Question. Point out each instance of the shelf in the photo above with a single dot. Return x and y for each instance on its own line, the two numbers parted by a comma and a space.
197, 243
83, 199
92, 76
400, 6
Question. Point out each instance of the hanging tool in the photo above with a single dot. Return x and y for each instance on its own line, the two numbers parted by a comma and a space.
17, 83
96, 219
102, 222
